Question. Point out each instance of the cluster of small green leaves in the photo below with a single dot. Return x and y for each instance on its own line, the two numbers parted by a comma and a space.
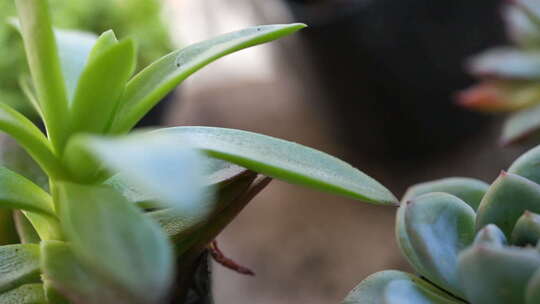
124, 217
141, 19
511, 75
468, 241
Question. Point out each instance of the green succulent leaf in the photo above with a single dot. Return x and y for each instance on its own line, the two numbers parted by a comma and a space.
528, 165
410, 292
375, 289
527, 230
44, 62
19, 264
506, 62
25, 294
156, 165
154, 82
104, 43
73, 50
521, 125
100, 86
68, 275
497, 275
507, 198
283, 160
31, 139
469, 190
522, 29
490, 235
17, 192
437, 227
27, 233
134, 254
532, 294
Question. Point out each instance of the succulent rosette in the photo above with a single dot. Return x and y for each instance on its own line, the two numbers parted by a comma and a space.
510, 75
469, 242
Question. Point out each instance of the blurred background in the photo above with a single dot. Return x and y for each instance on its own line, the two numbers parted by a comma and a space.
370, 81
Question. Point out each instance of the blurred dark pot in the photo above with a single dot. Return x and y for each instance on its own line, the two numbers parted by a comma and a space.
390, 68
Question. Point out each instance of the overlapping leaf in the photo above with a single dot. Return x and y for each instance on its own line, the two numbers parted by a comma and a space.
283, 160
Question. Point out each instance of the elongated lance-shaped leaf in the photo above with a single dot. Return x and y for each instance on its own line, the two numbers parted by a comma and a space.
527, 230
134, 253
31, 139
73, 49
469, 190
27, 233
162, 76
77, 282
19, 264
507, 63
528, 165
45, 68
157, 164
437, 227
17, 192
507, 198
25, 294
521, 126
283, 160
375, 289
100, 86
497, 275
105, 41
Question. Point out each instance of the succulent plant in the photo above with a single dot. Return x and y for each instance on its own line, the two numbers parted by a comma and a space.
510, 76
469, 242
127, 218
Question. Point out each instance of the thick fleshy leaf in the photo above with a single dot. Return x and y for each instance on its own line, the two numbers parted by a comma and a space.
527, 230
100, 86
157, 165
134, 254
73, 50
45, 68
490, 235
469, 190
157, 80
521, 126
532, 295
283, 160
496, 96
497, 275
73, 279
17, 192
27, 233
105, 41
374, 288
31, 139
521, 28
528, 165
25, 294
217, 173
507, 198
410, 292
437, 227
507, 63
19, 264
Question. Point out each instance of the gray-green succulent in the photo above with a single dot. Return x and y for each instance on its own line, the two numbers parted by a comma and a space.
469, 242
